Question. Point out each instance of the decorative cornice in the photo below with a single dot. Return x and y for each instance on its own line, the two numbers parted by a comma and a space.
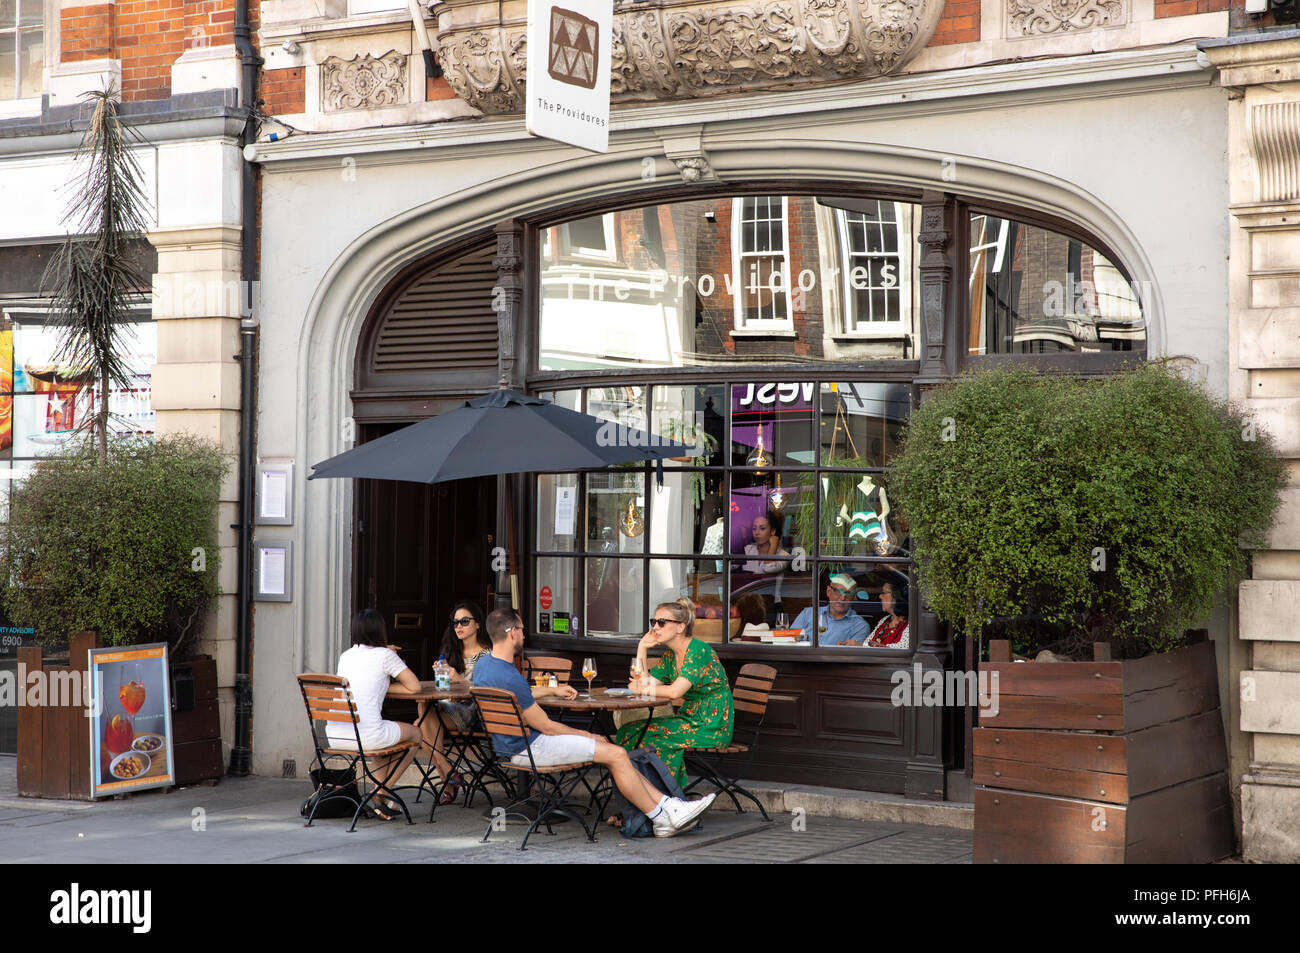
685, 49
1068, 79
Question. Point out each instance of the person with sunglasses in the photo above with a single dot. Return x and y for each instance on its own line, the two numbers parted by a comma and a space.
691, 671
553, 743
463, 643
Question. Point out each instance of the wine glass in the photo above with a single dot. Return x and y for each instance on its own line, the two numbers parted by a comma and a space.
130, 693
589, 672
635, 673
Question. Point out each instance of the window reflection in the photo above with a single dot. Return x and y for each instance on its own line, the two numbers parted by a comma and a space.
748, 278
1033, 291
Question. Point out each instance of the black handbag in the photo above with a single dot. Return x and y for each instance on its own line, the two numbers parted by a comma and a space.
336, 793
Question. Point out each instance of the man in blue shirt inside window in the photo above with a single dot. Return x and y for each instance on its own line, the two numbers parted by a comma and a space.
837, 623
553, 743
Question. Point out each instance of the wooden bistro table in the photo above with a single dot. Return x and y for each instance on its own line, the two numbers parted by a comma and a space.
600, 700
430, 692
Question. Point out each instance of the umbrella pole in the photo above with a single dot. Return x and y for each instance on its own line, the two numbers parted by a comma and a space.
511, 544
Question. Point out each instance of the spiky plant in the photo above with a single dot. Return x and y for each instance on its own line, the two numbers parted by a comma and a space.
94, 278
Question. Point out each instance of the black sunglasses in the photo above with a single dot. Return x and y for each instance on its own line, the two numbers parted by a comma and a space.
660, 623
459, 622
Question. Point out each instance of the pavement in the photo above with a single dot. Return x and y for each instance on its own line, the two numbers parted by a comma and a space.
256, 820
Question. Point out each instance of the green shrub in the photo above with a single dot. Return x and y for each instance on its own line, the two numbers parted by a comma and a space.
128, 548
1121, 508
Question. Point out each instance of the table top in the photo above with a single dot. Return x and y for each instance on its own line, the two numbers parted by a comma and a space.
600, 701
429, 692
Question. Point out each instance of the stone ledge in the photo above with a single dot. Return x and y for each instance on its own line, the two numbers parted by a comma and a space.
858, 805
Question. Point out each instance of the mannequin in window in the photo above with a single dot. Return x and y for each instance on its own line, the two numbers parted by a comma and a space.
869, 521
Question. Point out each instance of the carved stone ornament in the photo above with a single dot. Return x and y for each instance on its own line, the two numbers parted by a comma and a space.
1273, 137
675, 49
1048, 17
693, 168
363, 82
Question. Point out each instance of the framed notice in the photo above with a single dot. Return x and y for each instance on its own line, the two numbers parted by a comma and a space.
275, 494
273, 572
130, 720
568, 71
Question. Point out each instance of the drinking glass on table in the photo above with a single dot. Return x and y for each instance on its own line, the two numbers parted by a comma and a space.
636, 671
589, 672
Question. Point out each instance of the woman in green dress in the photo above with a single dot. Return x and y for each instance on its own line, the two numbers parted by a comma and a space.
690, 671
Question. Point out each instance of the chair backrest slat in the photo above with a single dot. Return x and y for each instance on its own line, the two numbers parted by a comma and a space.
753, 686
328, 699
562, 667
500, 712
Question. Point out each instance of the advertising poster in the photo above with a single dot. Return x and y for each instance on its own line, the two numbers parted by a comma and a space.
131, 732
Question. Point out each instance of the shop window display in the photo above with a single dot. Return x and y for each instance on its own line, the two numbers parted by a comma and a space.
750, 536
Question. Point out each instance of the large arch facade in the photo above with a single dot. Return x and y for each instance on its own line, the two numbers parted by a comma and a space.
320, 350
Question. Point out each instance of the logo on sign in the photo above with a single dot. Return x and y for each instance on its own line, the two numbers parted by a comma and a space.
575, 45
544, 597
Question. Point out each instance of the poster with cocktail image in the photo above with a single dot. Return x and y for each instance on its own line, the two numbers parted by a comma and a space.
131, 721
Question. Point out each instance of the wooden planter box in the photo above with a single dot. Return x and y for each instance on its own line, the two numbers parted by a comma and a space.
54, 742
1103, 762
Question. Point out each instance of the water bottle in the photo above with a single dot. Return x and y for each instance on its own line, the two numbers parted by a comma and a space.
442, 674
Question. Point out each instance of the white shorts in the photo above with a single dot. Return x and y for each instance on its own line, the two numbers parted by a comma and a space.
384, 735
549, 750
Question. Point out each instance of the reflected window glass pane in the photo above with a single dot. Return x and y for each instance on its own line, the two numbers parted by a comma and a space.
720, 280
860, 606
692, 415
766, 603
614, 597
557, 512
557, 584
8, 66
861, 424
759, 527
686, 513
623, 405
701, 581
771, 424
616, 505
857, 518
31, 52
569, 399
1034, 291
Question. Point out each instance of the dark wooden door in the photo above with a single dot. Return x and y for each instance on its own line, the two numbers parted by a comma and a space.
419, 550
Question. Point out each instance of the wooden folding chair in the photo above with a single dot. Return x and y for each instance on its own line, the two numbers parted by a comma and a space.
750, 694
551, 784
328, 699
561, 667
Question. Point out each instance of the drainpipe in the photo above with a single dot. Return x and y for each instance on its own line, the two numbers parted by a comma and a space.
431, 68
241, 749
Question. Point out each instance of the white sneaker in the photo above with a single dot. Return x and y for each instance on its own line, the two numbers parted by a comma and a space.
679, 815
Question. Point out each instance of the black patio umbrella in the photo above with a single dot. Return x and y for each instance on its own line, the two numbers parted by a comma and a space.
499, 433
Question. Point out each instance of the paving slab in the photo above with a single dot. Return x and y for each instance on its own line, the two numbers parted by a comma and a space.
256, 820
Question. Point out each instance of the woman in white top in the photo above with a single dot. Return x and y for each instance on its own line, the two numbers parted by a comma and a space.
370, 666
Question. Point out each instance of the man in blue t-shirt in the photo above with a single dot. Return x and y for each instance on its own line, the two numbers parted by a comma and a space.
554, 743
837, 623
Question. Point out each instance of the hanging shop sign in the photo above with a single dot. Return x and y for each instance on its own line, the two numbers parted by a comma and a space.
568, 71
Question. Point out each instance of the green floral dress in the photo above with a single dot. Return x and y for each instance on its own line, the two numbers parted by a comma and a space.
705, 719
